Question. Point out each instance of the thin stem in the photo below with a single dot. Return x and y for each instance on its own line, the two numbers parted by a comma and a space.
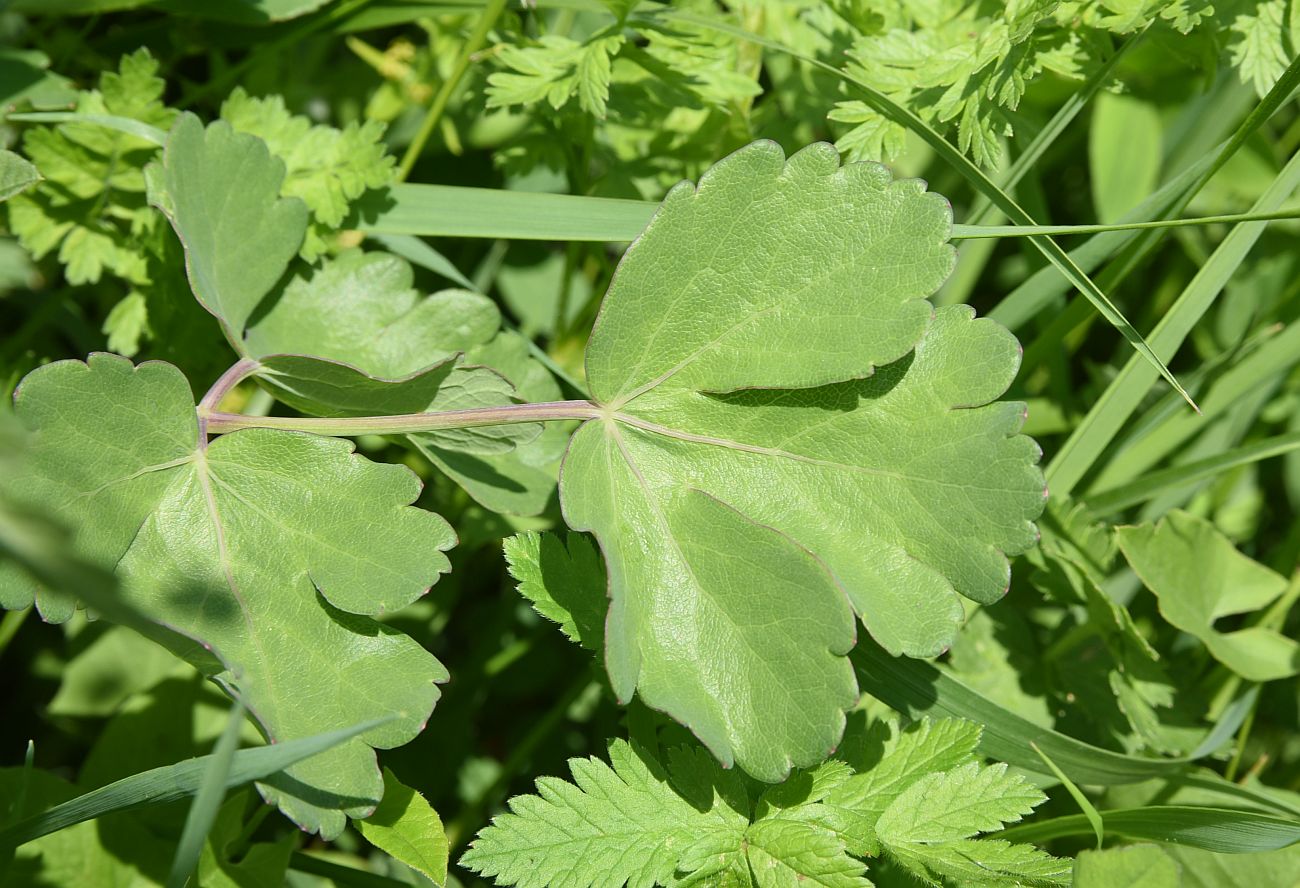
238, 371
477, 38
966, 232
406, 423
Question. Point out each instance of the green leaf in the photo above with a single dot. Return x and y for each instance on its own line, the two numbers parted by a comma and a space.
957, 804
1260, 869
565, 582
405, 826
220, 189
90, 208
273, 549
1199, 577
16, 174
700, 433
168, 784
793, 854
224, 864
1212, 829
326, 167
1134, 866
617, 823
983, 862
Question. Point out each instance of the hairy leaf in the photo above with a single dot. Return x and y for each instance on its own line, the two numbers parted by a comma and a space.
691, 823
748, 437
273, 549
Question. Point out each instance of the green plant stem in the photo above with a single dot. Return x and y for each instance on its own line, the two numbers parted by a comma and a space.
965, 232
473, 44
406, 423
9, 626
1242, 736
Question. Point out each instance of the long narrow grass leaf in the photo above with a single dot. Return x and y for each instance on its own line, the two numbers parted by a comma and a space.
1214, 829
109, 121
207, 801
456, 211
178, 781
1115, 499
1125, 393
1089, 812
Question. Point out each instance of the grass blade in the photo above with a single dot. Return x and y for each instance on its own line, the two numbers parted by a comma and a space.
109, 121
178, 781
1112, 410
1115, 499
1089, 812
1213, 829
417, 252
456, 211
207, 801
960, 232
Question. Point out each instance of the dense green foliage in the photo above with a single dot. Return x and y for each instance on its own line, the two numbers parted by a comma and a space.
830, 532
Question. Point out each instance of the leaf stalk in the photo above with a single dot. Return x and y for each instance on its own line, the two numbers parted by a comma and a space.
217, 423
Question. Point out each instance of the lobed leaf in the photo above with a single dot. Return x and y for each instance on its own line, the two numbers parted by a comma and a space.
750, 431
248, 545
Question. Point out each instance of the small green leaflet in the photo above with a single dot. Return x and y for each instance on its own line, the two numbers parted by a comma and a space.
793, 434
679, 819
408, 829
16, 174
274, 550
1198, 577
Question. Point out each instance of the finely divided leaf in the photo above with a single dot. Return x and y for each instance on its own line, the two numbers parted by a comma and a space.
618, 823
273, 549
749, 429
692, 823
957, 804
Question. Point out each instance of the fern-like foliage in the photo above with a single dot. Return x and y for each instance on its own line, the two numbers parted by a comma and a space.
919, 798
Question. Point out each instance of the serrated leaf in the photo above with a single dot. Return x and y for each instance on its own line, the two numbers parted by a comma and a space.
617, 823
565, 582
250, 546
805, 276
90, 206
1198, 576
957, 804
793, 854
983, 862
928, 746
220, 189
408, 829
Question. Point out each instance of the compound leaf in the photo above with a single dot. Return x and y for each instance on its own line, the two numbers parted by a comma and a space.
274, 550
327, 168
618, 823
737, 354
